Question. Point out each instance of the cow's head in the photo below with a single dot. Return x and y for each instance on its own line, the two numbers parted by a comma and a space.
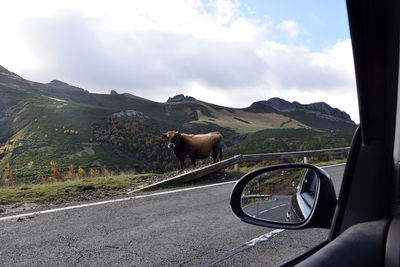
172, 137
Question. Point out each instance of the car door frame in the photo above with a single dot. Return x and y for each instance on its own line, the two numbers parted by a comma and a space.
369, 190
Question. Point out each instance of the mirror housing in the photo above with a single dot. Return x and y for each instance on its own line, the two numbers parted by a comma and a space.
321, 214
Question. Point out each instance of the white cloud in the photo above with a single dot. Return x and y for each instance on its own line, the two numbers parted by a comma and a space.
298, 67
225, 11
290, 28
208, 51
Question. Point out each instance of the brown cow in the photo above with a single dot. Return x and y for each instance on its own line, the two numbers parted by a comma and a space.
198, 146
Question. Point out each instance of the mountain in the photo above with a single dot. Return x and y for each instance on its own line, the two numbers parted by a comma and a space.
180, 98
55, 121
320, 109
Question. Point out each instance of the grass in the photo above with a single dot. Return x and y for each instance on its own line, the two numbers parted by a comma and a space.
274, 140
248, 122
104, 187
72, 190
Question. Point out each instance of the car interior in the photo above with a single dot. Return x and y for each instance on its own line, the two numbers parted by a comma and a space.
365, 224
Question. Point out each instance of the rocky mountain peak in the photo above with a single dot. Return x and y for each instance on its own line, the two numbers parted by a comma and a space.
324, 108
321, 109
57, 82
57, 85
180, 98
279, 104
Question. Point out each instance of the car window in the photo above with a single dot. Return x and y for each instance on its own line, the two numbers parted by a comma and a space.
124, 126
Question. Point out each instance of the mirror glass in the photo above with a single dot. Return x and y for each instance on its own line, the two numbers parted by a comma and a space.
282, 195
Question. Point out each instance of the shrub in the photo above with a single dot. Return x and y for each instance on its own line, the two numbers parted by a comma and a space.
47, 179
71, 172
9, 175
56, 173
81, 173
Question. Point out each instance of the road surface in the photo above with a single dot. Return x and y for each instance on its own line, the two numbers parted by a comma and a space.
191, 227
273, 209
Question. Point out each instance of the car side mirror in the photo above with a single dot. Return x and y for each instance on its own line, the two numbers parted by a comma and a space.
290, 196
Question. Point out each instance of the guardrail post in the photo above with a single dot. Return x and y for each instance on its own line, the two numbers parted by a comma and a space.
305, 160
236, 167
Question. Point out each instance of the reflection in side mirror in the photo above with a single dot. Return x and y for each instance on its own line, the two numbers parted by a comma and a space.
289, 196
282, 195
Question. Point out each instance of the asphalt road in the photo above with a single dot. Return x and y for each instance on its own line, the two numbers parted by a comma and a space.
272, 210
184, 228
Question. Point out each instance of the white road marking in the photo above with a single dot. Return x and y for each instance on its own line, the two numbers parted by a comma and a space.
110, 201
122, 199
334, 165
264, 211
245, 246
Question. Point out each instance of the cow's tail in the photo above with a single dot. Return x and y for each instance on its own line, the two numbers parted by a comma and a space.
220, 154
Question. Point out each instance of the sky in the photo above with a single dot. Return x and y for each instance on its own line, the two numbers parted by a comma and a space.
231, 53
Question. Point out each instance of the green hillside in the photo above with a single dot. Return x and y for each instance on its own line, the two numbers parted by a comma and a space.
58, 122
282, 140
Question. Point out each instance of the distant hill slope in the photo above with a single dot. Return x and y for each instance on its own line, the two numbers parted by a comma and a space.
59, 122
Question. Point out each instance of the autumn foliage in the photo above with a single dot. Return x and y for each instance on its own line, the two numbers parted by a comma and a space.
55, 170
9, 175
71, 172
81, 173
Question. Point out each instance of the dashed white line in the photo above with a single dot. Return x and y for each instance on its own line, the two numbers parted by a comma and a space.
243, 247
264, 211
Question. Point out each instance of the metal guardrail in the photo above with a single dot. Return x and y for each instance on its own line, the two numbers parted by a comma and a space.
203, 171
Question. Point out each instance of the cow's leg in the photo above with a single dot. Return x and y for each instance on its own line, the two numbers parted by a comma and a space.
216, 153
193, 159
214, 156
182, 161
